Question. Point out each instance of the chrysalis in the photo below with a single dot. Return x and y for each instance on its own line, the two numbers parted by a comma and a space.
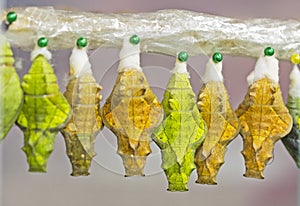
132, 110
182, 130
222, 123
45, 110
83, 94
11, 94
263, 115
292, 140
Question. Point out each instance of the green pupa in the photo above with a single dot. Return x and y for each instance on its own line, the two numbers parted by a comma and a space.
292, 140
182, 129
11, 94
45, 110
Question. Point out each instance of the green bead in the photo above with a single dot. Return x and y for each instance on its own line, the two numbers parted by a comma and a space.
134, 40
42, 42
269, 51
11, 17
217, 57
81, 42
183, 56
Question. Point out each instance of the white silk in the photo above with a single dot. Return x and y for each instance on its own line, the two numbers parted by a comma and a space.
266, 66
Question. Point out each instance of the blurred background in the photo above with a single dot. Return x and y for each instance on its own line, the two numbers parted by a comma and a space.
106, 185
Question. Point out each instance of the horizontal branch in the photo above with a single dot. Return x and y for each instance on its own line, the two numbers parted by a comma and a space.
165, 31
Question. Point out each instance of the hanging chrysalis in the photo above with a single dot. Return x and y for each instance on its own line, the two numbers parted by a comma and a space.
132, 110
11, 94
182, 130
292, 140
45, 110
83, 94
263, 115
222, 123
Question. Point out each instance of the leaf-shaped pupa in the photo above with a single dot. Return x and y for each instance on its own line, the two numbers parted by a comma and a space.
181, 131
222, 124
44, 112
11, 94
263, 116
292, 140
83, 94
132, 111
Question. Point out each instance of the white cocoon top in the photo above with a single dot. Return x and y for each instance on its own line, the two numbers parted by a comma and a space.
129, 56
80, 63
294, 90
266, 66
180, 67
213, 72
40, 51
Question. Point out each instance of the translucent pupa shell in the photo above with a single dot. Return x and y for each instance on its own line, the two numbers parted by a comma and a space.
132, 111
83, 94
11, 94
264, 120
223, 126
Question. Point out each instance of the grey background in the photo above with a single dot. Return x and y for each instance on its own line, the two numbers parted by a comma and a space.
106, 185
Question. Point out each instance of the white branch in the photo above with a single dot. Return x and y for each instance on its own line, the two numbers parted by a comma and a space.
165, 31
